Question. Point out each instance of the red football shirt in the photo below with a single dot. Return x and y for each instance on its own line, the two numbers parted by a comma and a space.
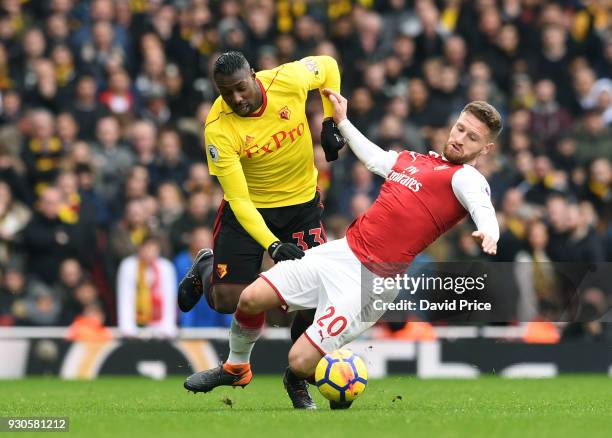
415, 206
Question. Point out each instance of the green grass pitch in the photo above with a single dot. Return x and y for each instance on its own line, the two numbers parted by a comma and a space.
569, 406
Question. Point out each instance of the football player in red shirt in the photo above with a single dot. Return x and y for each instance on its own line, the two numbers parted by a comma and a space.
423, 196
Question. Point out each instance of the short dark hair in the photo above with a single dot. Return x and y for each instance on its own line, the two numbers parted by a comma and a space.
487, 114
229, 63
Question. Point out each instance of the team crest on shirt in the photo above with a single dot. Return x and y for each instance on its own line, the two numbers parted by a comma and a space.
221, 270
214, 153
248, 140
284, 113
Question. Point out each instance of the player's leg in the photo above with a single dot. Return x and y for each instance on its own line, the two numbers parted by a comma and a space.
327, 335
303, 226
300, 284
198, 280
303, 360
292, 285
260, 296
345, 309
237, 260
246, 328
221, 275
193, 285
304, 357
246, 325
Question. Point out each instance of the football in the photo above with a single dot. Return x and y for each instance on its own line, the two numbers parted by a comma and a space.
341, 376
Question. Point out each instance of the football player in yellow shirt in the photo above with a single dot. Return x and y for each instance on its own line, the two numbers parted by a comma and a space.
258, 145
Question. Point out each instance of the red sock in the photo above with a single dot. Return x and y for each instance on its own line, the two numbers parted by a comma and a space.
250, 321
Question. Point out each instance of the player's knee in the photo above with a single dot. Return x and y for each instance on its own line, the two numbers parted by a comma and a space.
248, 302
299, 363
223, 302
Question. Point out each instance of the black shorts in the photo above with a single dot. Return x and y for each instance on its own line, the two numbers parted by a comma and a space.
238, 257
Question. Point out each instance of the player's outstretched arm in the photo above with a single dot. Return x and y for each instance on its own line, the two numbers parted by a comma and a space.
374, 158
472, 191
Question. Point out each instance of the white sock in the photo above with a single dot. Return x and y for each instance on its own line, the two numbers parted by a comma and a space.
241, 342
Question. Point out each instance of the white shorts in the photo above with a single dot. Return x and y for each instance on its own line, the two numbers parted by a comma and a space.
328, 278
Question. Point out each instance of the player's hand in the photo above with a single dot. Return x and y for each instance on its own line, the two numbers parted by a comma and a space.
339, 102
331, 140
280, 251
489, 246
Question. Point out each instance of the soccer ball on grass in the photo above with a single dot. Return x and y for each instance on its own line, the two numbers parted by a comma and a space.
341, 376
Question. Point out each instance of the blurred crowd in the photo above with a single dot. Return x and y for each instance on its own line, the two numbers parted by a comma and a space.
105, 195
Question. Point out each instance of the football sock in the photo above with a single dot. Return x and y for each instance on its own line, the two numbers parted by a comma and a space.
244, 331
301, 322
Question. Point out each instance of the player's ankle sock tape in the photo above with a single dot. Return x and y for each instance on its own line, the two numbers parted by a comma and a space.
236, 368
250, 321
